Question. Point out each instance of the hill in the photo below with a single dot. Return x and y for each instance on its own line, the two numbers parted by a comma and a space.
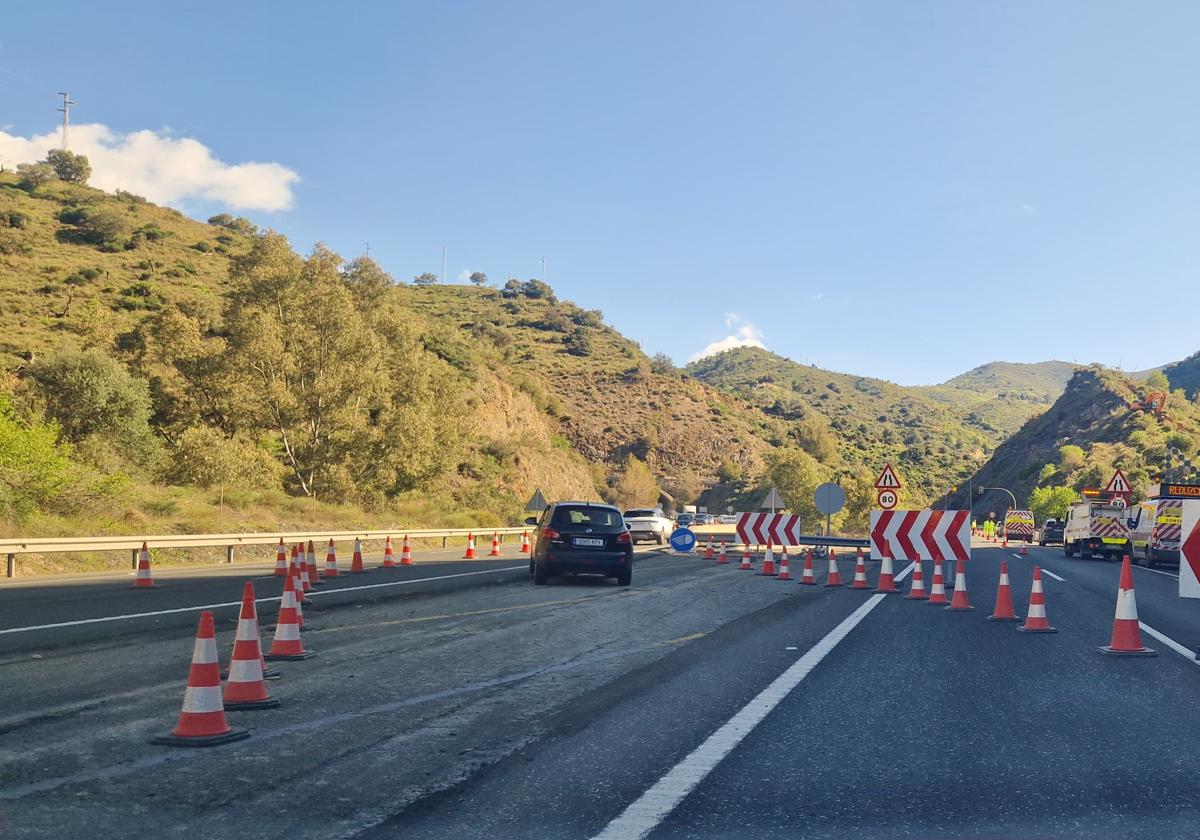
1041, 381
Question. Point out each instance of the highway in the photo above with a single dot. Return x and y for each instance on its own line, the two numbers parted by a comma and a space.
702, 702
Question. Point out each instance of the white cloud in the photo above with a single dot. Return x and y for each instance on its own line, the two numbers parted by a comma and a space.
745, 334
162, 168
464, 275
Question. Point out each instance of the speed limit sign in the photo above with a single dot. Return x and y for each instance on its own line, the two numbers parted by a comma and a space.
887, 499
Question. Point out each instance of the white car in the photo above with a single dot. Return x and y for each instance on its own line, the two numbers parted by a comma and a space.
648, 524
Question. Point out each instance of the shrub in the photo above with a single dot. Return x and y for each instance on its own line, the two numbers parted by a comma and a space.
203, 247
204, 457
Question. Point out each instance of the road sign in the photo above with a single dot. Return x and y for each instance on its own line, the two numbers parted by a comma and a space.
888, 480
772, 501
921, 534
769, 529
683, 540
829, 498
1117, 484
1118, 502
887, 499
1189, 551
537, 503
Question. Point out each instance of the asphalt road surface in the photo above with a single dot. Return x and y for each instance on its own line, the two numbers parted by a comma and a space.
703, 702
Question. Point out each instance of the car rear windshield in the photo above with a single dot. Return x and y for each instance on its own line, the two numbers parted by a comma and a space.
592, 517
635, 514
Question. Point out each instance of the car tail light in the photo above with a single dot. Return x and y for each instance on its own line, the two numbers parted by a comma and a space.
550, 534
624, 538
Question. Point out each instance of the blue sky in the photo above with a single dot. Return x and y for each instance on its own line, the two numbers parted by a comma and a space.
903, 190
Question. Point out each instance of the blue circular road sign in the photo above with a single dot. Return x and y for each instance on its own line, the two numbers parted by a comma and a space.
682, 539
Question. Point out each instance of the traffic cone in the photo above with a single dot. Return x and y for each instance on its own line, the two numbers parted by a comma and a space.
746, 564
1126, 634
245, 689
1005, 544
887, 580
302, 567
722, 557
202, 722
1035, 619
916, 591
298, 584
860, 574
287, 644
1024, 552
937, 590
807, 577
525, 547
144, 579
470, 554
311, 559
768, 566
406, 552
356, 562
833, 577
785, 573
495, 552
389, 558
1003, 610
331, 569
281, 560
959, 602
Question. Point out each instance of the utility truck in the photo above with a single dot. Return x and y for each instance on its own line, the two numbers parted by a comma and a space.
1096, 526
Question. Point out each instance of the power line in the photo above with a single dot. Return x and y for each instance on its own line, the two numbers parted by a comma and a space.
66, 112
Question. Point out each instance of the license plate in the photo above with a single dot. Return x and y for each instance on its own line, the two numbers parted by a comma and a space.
587, 542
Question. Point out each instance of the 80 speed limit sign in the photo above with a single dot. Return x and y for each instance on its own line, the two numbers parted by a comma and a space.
887, 499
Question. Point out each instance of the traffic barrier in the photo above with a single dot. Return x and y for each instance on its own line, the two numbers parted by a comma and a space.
1035, 618
310, 558
245, 688
1003, 611
1126, 634
202, 721
144, 580
389, 558
302, 568
722, 557
860, 574
356, 561
281, 560
406, 551
937, 589
887, 580
331, 569
525, 547
807, 577
916, 591
746, 564
495, 552
768, 566
785, 572
832, 576
960, 603
286, 644
470, 552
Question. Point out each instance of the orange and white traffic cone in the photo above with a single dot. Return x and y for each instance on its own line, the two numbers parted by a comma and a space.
298, 585
202, 722
331, 569
708, 549
960, 603
470, 553
287, 644
1126, 634
144, 580
1005, 543
389, 557
722, 557
281, 560
833, 577
311, 558
768, 566
806, 576
1003, 610
405, 552
746, 564
525, 547
245, 688
785, 572
356, 561
916, 590
1024, 552
887, 580
937, 589
495, 552
860, 574
302, 566
1035, 619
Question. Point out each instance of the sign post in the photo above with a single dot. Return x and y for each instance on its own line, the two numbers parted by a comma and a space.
829, 498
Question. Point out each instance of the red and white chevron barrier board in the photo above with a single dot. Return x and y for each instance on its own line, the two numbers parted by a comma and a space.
921, 534
769, 529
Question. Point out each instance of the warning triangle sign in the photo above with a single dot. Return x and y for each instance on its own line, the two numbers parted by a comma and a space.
1117, 484
887, 479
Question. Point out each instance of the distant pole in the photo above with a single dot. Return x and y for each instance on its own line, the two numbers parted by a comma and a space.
368, 251
66, 112
543, 269
443, 263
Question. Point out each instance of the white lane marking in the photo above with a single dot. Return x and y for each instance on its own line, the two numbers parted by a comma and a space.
1156, 571
1169, 642
1045, 571
238, 603
643, 815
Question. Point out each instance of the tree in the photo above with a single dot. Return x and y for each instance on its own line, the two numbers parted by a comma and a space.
813, 435
511, 289
479, 278
796, 475
663, 365
33, 175
103, 228
237, 224
579, 342
206, 458
635, 485
367, 281
1156, 380
1046, 502
1071, 458
538, 289
425, 279
69, 166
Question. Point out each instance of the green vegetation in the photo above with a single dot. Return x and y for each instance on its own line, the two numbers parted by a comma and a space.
1047, 502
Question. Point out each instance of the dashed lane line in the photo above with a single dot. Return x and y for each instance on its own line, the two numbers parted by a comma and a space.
1157, 571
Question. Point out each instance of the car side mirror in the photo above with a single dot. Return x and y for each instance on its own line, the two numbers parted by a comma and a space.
530, 520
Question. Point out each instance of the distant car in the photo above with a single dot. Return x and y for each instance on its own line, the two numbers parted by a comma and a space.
705, 519
728, 519
587, 537
648, 524
685, 520
1051, 532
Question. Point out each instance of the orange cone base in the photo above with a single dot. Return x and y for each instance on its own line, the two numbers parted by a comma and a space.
202, 741
953, 608
288, 657
803, 582
1004, 618
268, 674
940, 601
251, 705
1025, 629
1108, 651
918, 596
833, 584
144, 586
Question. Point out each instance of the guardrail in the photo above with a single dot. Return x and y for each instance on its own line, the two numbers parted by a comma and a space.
805, 539
12, 546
